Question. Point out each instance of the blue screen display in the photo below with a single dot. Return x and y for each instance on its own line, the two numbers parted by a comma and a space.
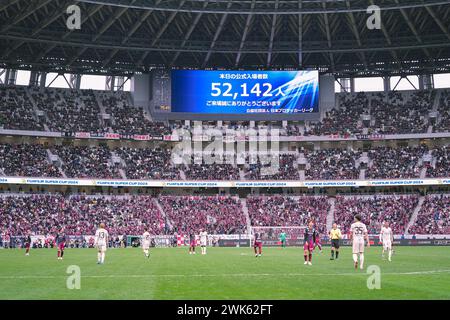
245, 92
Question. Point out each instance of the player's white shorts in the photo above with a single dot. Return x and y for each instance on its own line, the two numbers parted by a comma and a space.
387, 245
146, 245
101, 247
203, 243
358, 246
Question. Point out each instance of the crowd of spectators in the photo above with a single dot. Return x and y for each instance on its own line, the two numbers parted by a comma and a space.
344, 120
130, 215
291, 130
36, 214
146, 163
434, 216
87, 162
16, 110
266, 167
374, 210
211, 171
215, 214
395, 163
79, 215
441, 167
48, 214
443, 120
26, 160
391, 113
396, 114
33, 160
287, 211
128, 119
69, 110
332, 164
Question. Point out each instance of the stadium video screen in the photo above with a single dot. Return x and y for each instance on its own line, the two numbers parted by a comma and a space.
245, 92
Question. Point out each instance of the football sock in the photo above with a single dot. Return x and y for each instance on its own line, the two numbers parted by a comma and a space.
310, 257
390, 254
337, 254
355, 257
361, 259
99, 257
306, 257
332, 253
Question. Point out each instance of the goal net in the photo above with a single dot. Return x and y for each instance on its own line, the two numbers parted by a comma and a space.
271, 235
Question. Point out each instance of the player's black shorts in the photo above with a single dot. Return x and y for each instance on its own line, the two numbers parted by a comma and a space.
335, 243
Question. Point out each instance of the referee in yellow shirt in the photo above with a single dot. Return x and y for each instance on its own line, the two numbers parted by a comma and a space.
335, 236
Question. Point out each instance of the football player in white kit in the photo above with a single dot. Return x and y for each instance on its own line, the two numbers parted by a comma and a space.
146, 243
101, 242
387, 238
358, 232
203, 240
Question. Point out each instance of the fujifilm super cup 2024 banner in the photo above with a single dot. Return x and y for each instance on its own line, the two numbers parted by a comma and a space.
245, 92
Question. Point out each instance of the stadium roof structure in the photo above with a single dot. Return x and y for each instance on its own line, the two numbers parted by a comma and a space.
129, 36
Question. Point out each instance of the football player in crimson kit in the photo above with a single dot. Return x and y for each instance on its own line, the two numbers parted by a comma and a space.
60, 243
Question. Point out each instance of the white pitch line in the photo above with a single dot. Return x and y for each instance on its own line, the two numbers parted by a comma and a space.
224, 275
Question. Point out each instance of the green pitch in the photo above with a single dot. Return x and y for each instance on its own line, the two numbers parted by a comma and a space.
224, 273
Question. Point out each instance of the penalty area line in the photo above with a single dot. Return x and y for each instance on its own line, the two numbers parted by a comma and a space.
223, 275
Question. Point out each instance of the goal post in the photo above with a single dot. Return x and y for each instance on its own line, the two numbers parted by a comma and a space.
270, 235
